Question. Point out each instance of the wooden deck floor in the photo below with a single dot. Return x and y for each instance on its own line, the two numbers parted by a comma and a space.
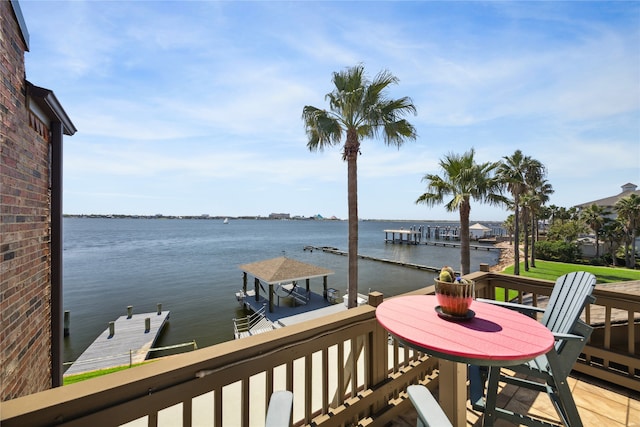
600, 405
130, 343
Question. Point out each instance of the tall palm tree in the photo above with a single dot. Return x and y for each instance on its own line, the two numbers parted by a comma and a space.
628, 209
613, 233
508, 226
553, 213
515, 172
463, 179
358, 108
595, 217
541, 192
525, 214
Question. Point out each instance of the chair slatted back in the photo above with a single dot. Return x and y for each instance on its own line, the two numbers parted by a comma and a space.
568, 298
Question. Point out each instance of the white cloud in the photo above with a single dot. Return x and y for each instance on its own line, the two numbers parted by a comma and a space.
168, 98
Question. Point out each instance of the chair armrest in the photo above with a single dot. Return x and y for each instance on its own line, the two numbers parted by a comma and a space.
429, 411
527, 310
567, 337
279, 411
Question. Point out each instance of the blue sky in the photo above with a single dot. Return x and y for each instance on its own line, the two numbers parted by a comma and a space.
194, 107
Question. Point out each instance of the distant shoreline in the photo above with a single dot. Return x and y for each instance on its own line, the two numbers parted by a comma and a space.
258, 217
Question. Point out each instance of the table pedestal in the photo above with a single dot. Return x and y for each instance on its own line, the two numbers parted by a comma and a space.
453, 391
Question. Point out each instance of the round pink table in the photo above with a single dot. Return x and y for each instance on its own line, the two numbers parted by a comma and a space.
495, 336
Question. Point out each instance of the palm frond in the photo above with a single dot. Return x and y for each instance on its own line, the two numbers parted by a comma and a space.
322, 128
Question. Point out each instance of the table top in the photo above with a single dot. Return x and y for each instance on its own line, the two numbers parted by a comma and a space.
495, 336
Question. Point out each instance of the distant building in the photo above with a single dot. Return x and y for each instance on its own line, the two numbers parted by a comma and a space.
587, 243
279, 216
609, 202
31, 311
479, 231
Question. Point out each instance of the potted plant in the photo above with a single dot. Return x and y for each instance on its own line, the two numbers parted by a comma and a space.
454, 293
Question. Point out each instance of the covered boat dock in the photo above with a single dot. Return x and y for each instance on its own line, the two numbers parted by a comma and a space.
282, 275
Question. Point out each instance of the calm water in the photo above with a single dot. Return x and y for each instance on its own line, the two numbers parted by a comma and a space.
191, 267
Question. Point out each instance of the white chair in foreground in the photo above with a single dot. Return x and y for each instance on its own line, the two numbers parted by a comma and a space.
279, 411
430, 413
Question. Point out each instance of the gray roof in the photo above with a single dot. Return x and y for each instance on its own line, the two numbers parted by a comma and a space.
478, 226
609, 202
283, 269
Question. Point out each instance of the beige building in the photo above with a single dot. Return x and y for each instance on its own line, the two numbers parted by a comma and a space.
609, 202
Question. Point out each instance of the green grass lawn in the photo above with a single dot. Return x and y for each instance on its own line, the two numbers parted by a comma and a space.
87, 375
550, 270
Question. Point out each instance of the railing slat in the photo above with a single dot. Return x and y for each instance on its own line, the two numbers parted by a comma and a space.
308, 394
325, 381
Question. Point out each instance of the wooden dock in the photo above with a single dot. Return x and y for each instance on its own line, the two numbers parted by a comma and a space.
285, 309
132, 338
411, 237
285, 315
336, 251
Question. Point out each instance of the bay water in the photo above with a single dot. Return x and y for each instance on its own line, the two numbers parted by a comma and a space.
191, 266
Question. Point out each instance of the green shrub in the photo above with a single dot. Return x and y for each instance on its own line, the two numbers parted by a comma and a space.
558, 250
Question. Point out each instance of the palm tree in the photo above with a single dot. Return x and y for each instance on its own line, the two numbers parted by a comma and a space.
515, 172
358, 108
525, 201
508, 226
595, 217
541, 192
553, 212
613, 233
628, 209
463, 179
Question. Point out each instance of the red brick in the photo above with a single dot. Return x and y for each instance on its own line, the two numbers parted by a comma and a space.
25, 263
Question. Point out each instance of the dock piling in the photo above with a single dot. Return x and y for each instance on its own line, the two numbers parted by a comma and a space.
67, 321
159, 308
147, 325
129, 311
112, 328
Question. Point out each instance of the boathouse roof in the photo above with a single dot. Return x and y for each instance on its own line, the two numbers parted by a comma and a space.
478, 226
283, 269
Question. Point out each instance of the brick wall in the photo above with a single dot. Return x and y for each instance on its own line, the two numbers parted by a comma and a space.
25, 259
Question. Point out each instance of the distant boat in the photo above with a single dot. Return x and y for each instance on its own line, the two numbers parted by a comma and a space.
226, 221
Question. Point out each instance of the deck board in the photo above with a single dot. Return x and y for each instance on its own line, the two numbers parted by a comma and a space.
129, 344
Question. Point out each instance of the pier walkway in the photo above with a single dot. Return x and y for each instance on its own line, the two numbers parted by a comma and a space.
286, 313
336, 251
289, 313
129, 342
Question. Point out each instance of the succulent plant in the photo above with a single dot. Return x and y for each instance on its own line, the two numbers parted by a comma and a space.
447, 274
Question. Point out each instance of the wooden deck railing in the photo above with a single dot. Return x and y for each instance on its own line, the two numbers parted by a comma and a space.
341, 369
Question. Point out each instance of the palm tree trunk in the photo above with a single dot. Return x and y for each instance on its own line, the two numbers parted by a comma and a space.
525, 223
633, 249
516, 242
534, 237
465, 256
351, 149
